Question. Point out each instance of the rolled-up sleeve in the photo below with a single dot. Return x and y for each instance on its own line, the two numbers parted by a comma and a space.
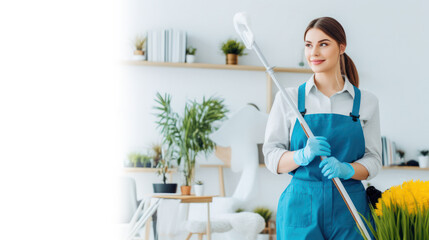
371, 131
276, 134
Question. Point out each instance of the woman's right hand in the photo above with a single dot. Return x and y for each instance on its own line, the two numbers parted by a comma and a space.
316, 146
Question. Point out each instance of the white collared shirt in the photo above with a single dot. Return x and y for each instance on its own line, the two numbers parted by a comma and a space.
282, 119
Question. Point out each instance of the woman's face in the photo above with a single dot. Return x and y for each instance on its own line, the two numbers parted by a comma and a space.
321, 51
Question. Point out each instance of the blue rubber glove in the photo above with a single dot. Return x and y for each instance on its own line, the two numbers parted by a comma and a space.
333, 168
316, 146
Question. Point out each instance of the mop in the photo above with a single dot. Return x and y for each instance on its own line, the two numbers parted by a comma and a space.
242, 27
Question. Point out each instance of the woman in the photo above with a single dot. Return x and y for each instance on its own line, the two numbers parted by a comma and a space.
345, 121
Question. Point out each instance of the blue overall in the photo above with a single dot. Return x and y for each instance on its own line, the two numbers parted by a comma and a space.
311, 207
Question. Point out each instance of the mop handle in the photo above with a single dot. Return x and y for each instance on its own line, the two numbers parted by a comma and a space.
309, 134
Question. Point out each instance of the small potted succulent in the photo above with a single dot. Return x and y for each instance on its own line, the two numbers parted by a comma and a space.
199, 188
424, 159
146, 160
232, 49
139, 53
266, 214
190, 54
135, 159
163, 166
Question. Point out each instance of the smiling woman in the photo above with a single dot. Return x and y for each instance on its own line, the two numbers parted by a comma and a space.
346, 125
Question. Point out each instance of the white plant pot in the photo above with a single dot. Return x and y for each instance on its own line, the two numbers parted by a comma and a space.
199, 190
190, 58
139, 57
263, 237
424, 161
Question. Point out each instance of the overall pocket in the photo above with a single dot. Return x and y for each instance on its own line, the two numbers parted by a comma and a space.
295, 209
341, 212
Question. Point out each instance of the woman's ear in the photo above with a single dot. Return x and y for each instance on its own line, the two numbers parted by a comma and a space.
342, 48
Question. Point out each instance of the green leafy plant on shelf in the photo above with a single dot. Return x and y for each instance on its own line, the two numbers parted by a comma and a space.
190, 50
232, 46
139, 160
145, 160
134, 158
188, 135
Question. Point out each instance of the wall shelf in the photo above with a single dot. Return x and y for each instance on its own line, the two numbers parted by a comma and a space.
405, 168
221, 165
142, 169
217, 66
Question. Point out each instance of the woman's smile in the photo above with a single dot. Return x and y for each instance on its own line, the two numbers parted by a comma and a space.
317, 62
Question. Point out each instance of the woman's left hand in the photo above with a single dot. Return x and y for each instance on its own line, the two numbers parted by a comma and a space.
333, 168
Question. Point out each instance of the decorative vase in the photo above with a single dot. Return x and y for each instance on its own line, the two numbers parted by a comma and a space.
139, 55
186, 190
231, 59
190, 58
424, 161
199, 190
164, 188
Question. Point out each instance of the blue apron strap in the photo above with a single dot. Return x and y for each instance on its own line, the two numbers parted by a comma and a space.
356, 105
301, 99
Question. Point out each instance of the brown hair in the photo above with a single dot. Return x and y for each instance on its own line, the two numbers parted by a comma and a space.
333, 29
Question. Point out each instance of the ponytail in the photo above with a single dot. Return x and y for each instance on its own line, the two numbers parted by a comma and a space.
348, 68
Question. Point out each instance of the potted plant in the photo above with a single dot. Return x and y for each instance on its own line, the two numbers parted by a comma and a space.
199, 188
134, 158
188, 135
156, 154
232, 49
423, 159
163, 166
190, 54
145, 160
401, 156
266, 214
139, 53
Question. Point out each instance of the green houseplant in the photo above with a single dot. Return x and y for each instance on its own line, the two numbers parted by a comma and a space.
188, 135
163, 166
190, 54
232, 49
134, 158
145, 160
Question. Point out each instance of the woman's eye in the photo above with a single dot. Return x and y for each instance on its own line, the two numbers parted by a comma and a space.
307, 45
324, 43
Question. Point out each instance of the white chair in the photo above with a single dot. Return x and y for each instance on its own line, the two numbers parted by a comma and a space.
133, 213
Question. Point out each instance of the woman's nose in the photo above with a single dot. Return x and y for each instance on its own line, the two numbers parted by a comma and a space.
315, 51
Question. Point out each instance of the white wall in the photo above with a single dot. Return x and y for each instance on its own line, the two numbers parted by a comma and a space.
387, 40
